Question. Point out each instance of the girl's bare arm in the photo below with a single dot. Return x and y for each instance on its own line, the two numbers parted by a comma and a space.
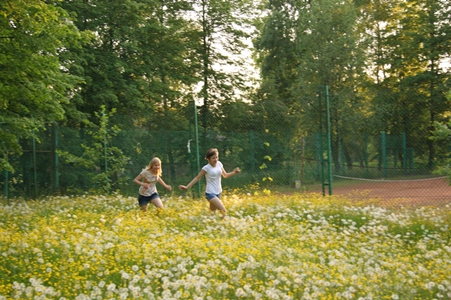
227, 175
166, 186
138, 181
193, 182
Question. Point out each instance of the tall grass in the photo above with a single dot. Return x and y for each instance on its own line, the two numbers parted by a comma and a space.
269, 247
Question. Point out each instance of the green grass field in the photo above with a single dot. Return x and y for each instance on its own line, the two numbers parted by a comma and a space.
269, 247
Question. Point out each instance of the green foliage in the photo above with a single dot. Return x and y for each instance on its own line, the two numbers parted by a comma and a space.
149, 60
410, 94
379, 74
139, 62
442, 132
33, 85
277, 55
223, 30
103, 161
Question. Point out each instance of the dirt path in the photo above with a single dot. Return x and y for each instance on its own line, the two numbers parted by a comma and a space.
436, 191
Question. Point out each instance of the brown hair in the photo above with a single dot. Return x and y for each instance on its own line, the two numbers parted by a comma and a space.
152, 162
211, 152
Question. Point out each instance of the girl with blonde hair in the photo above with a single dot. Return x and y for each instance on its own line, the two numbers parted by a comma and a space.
147, 180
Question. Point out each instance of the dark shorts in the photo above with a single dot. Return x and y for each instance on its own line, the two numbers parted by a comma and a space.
211, 196
144, 200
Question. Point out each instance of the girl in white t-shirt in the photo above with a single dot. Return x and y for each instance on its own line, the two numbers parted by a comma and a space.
213, 172
147, 180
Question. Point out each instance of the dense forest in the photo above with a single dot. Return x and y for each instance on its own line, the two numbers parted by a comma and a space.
385, 63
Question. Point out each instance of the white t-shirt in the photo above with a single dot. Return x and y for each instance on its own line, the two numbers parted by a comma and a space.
152, 180
213, 177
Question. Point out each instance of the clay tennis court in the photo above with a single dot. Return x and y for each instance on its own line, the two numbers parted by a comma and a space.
417, 192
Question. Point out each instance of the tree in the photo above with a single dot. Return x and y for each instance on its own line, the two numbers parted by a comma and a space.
34, 84
276, 52
426, 31
307, 45
169, 56
410, 41
223, 30
111, 63
141, 62
442, 134
104, 162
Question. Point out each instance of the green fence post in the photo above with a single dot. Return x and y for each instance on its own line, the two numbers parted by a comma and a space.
252, 150
6, 174
318, 155
197, 145
303, 161
35, 174
384, 153
287, 154
105, 155
329, 146
365, 152
55, 157
342, 166
404, 152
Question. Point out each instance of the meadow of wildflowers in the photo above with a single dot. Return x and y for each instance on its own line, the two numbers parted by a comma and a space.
269, 247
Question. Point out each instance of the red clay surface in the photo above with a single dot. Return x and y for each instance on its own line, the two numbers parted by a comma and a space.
436, 191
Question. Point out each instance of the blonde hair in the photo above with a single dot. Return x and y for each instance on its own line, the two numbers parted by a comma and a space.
152, 162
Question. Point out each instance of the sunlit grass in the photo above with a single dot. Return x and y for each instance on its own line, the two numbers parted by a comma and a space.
269, 247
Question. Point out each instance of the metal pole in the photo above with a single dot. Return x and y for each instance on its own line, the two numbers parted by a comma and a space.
319, 158
384, 153
35, 175
55, 157
6, 174
303, 161
329, 163
365, 150
320, 144
404, 152
197, 145
252, 150
287, 153
105, 153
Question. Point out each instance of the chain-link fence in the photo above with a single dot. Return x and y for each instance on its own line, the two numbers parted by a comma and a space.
384, 166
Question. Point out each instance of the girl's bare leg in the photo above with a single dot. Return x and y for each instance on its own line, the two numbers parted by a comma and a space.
158, 204
216, 204
144, 207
